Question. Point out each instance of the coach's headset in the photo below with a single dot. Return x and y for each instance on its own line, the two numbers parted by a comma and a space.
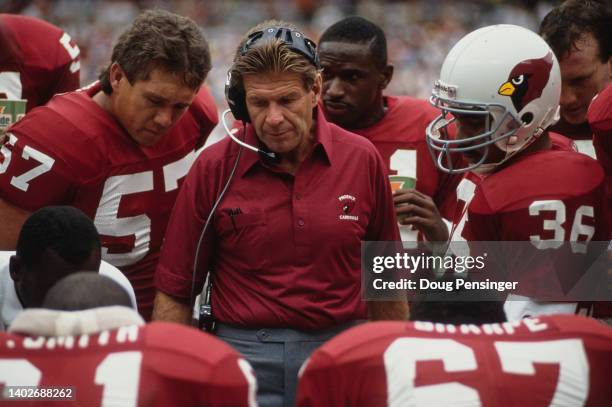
235, 95
234, 92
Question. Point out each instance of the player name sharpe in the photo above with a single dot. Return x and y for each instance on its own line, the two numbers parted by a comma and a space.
431, 284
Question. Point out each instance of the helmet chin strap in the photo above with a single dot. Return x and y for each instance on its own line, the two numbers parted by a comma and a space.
512, 140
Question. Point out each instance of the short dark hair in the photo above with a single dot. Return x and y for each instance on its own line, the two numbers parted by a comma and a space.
85, 290
457, 306
160, 39
458, 312
63, 229
358, 30
564, 25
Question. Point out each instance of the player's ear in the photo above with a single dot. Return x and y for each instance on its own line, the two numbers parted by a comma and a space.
116, 75
316, 88
386, 76
15, 266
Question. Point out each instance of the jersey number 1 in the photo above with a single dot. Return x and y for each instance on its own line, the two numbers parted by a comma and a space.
118, 374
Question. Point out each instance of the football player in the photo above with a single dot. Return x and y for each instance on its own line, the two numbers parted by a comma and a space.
353, 54
37, 60
119, 149
500, 85
91, 350
579, 33
54, 242
600, 119
560, 360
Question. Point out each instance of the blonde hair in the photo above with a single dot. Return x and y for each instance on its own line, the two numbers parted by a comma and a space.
271, 57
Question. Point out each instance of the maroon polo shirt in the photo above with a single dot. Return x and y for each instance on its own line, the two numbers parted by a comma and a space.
285, 250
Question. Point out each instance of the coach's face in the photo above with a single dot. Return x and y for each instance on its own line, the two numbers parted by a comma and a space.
149, 108
281, 109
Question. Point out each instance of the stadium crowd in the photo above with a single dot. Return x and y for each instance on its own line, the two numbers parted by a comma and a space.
418, 32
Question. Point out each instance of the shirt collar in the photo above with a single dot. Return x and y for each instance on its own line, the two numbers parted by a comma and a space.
323, 140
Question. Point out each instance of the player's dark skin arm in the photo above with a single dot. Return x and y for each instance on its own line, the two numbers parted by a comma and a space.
415, 208
11, 219
167, 308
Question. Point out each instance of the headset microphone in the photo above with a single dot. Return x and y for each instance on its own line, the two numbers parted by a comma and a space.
269, 156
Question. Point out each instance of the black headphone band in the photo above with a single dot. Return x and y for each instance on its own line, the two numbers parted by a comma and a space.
294, 40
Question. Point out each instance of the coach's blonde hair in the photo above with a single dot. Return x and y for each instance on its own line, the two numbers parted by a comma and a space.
271, 57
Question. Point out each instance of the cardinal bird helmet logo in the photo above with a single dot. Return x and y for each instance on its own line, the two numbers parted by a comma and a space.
527, 81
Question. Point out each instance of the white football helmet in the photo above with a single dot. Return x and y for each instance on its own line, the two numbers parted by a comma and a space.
504, 73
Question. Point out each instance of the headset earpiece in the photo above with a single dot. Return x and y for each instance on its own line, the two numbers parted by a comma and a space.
235, 97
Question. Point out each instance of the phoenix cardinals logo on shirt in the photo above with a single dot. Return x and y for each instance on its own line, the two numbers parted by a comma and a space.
347, 203
527, 81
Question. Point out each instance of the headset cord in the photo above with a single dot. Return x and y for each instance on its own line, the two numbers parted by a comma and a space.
207, 223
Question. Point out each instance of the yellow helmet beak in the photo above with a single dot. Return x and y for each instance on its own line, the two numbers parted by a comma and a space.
507, 89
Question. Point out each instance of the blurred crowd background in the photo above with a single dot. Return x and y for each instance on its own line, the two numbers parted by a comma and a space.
419, 32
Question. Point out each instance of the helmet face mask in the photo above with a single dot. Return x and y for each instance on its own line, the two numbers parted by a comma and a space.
508, 76
499, 125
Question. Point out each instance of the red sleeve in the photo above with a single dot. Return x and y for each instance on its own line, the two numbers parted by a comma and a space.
67, 68
33, 173
600, 111
47, 58
68, 80
175, 269
560, 142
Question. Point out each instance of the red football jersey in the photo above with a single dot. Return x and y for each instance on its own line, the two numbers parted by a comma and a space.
160, 364
37, 60
71, 152
580, 133
600, 119
463, 194
547, 361
400, 139
560, 142
545, 198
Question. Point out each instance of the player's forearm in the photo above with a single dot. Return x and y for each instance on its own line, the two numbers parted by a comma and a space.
11, 219
167, 308
387, 310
